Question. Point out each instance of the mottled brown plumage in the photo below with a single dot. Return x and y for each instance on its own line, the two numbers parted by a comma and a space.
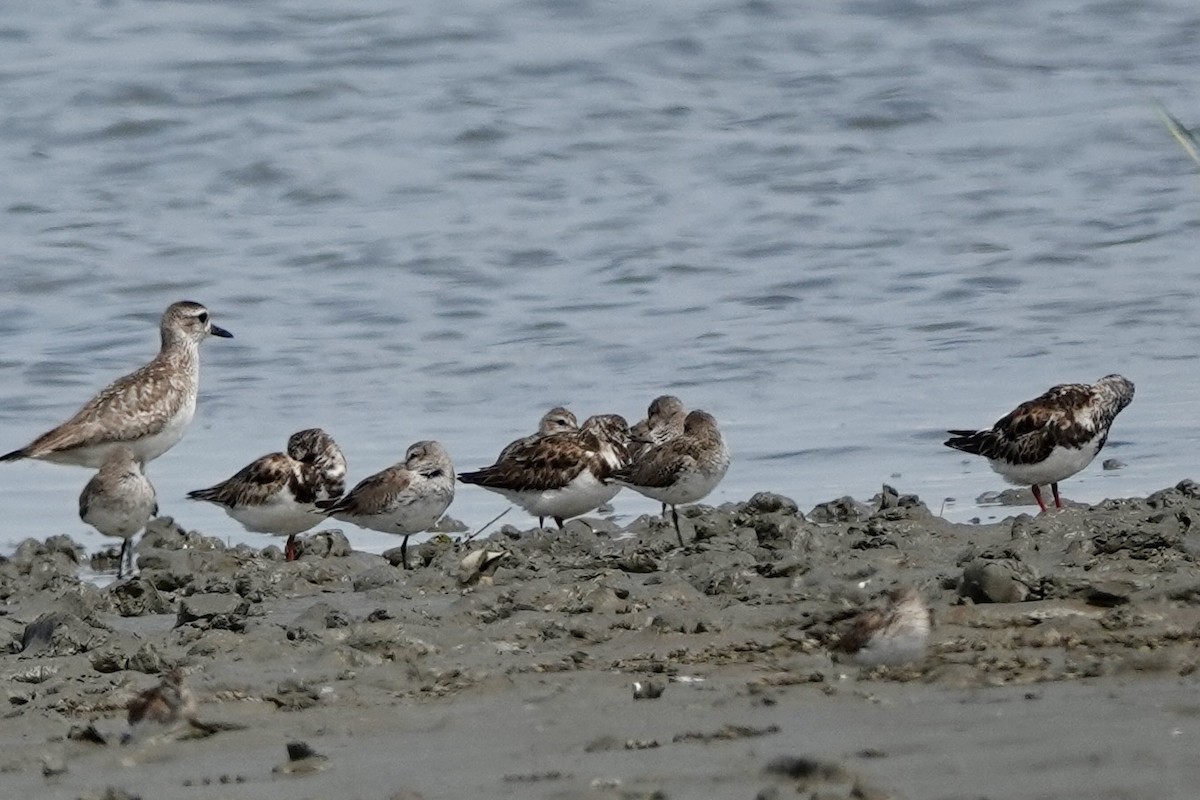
556, 420
278, 492
163, 707
560, 475
1053, 436
896, 634
682, 469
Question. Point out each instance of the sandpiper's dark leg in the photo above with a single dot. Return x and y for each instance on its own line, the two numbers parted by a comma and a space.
121, 559
404, 552
664, 510
675, 519
289, 549
559, 520
541, 522
1057, 499
1037, 495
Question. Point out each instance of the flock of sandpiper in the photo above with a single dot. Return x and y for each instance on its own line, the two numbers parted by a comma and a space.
562, 470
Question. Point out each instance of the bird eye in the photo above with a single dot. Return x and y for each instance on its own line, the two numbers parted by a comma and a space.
203, 317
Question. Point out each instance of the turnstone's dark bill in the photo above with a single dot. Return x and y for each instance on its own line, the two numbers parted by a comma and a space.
556, 420
118, 501
1050, 438
404, 499
561, 475
277, 493
683, 469
147, 410
895, 635
162, 708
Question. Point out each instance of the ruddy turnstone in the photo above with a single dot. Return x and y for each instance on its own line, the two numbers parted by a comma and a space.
1050, 438
147, 410
683, 469
404, 499
561, 475
278, 493
556, 420
895, 635
161, 708
118, 501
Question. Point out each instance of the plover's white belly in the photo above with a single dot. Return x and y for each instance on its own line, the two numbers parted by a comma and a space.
281, 516
147, 448
903, 645
1062, 463
583, 494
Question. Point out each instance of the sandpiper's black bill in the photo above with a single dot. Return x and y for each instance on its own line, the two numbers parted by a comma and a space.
216, 330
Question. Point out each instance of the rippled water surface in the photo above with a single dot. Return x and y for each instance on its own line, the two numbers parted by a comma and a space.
841, 228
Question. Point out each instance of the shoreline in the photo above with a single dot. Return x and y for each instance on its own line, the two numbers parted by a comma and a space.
439, 682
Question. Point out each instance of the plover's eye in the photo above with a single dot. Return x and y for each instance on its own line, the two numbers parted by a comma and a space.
203, 316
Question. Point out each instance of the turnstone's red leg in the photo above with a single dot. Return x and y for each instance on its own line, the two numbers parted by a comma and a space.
289, 549
1057, 499
1037, 495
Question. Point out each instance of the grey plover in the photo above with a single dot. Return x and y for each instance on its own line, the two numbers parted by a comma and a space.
161, 709
278, 493
556, 420
1052, 437
147, 410
561, 475
894, 635
406, 498
683, 469
118, 501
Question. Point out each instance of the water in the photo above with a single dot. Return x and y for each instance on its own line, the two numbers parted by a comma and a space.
840, 229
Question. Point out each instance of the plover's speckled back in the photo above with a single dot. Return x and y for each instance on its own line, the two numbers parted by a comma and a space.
406, 498
161, 708
894, 635
1052, 437
147, 410
119, 500
683, 469
556, 420
277, 493
561, 475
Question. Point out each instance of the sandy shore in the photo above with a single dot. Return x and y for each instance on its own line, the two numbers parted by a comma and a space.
1061, 664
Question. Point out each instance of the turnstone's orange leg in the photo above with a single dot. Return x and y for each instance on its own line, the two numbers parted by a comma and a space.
1057, 499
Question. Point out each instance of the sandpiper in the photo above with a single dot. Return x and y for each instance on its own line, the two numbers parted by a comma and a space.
118, 501
278, 493
556, 420
161, 708
561, 475
147, 410
1052, 437
683, 469
663, 422
404, 499
895, 635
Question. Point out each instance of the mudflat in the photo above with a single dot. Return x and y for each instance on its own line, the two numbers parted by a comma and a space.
606, 662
